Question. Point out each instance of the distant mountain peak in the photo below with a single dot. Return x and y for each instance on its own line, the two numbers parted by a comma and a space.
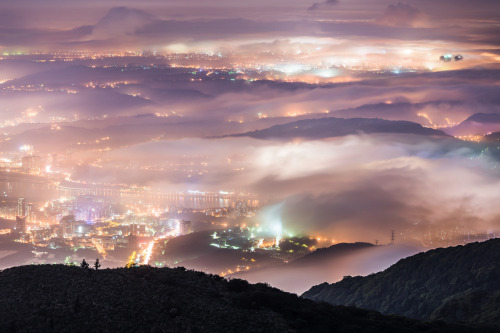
121, 21
484, 118
125, 13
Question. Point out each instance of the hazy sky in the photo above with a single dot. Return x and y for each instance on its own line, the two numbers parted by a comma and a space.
413, 29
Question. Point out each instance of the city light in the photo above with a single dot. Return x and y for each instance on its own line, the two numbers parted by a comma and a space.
233, 140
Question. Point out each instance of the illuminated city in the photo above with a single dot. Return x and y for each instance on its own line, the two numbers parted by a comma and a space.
247, 140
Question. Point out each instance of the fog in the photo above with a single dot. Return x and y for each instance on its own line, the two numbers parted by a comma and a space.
175, 97
299, 276
167, 135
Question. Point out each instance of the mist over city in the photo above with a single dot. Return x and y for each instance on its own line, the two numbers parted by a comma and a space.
284, 142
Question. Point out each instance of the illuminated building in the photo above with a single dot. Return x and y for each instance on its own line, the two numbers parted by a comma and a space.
33, 164
30, 216
21, 207
222, 241
185, 227
20, 225
68, 225
137, 229
82, 228
39, 234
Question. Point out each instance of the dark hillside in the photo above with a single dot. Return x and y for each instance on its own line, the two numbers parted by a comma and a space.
334, 127
59, 298
459, 284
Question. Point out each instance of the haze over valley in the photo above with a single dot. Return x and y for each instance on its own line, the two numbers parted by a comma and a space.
289, 144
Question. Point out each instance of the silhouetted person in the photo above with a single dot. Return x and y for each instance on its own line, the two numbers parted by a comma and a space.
84, 264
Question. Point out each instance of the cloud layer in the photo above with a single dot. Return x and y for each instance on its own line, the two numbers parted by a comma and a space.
150, 121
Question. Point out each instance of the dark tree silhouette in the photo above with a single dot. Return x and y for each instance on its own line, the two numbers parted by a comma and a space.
84, 264
97, 264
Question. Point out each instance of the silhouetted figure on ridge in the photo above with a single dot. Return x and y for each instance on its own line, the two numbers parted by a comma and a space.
96, 264
84, 264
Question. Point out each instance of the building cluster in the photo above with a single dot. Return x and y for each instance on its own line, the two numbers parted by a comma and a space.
34, 164
246, 238
444, 237
88, 222
239, 209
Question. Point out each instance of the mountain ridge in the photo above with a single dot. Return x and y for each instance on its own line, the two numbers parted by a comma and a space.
437, 284
335, 127
60, 298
